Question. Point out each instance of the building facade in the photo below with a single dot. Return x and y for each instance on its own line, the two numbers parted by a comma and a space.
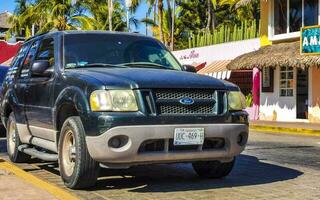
290, 80
296, 90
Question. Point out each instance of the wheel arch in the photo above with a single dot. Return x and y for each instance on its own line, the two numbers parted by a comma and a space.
70, 102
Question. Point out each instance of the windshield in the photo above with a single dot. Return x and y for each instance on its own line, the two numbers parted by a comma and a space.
115, 50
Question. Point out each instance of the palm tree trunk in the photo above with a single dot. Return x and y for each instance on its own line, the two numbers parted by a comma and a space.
209, 15
172, 24
170, 21
160, 10
213, 23
110, 11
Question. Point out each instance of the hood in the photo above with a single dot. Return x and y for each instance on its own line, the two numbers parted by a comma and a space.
142, 78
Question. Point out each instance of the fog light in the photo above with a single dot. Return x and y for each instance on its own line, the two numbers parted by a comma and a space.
242, 138
118, 141
115, 142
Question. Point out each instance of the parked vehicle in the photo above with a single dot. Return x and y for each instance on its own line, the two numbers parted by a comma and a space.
91, 99
3, 72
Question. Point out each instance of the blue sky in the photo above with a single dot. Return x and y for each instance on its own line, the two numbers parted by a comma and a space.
9, 5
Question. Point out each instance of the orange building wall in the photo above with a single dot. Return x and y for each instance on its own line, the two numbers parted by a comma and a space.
314, 110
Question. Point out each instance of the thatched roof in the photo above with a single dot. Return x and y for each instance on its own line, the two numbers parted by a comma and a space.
4, 20
275, 55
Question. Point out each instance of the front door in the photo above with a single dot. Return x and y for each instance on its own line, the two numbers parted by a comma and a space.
38, 102
302, 93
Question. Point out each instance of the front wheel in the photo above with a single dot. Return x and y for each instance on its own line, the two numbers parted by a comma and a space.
213, 169
77, 168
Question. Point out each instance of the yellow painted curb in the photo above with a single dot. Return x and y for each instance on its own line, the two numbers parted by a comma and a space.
282, 130
54, 190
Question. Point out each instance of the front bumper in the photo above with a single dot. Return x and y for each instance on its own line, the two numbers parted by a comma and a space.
130, 154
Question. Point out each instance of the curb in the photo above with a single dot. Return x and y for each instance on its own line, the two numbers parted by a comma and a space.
52, 189
283, 130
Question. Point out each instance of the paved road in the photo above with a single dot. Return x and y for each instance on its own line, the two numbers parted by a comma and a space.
273, 166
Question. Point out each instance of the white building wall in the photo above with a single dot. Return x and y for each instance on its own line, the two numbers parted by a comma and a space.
218, 52
277, 108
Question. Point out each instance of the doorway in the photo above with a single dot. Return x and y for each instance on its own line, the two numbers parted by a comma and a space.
302, 93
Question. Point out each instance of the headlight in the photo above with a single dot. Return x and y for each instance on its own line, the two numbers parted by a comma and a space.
236, 100
113, 100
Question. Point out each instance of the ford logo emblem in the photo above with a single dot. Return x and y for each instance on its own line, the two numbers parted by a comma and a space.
186, 101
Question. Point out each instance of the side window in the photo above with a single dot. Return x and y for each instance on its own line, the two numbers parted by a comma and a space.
16, 63
24, 73
46, 51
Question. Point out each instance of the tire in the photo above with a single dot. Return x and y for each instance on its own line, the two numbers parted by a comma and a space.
77, 169
213, 169
13, 142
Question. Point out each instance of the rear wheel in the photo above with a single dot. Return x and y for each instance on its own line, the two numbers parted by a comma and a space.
77, 168
213, 169
13, 142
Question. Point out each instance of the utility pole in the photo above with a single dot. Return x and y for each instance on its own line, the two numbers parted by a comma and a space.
110, 12
128, 6
146, 23
172, 24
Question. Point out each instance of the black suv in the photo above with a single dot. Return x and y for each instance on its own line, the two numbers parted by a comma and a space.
102, 99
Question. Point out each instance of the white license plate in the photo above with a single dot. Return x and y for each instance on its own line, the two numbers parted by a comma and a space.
188, 136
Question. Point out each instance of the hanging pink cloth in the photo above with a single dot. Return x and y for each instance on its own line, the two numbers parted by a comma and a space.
256, 93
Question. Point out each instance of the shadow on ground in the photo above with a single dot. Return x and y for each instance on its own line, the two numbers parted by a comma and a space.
181, 177
178, 177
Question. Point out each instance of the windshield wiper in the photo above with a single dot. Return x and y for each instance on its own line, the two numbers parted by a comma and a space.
147, 65
94, 65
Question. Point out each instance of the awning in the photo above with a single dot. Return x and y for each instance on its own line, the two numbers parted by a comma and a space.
217, 69
287, 54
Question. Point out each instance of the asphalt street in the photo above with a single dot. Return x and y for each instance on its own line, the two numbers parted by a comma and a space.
272, 166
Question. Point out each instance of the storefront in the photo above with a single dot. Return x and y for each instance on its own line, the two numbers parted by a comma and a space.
290, 78
290, 82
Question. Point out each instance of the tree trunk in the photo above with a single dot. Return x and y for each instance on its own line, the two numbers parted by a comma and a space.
110, 12
160, 10
209, 15
213, 20
173, 24
170, 22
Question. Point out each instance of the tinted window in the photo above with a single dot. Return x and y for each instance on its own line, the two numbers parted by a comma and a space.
46, 51
28, 60
16, 63
116, 49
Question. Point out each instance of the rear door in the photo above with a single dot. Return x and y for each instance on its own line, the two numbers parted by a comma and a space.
39, 100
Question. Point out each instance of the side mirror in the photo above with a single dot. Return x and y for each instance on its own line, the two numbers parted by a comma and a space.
189, 68
40, 68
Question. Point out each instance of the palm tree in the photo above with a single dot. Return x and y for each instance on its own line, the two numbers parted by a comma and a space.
98, 18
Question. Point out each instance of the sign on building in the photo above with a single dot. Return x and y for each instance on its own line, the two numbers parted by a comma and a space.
310, 40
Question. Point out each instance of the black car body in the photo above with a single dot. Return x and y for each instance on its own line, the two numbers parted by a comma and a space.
47, 85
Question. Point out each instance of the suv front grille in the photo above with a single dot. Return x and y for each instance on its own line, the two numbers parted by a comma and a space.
181, 93
181, 109
206, 101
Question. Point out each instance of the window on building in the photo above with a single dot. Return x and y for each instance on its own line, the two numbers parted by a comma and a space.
311, 8
291, 15
280, 16
286, 81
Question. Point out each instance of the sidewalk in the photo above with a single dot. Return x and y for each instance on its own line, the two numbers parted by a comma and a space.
14, 188
16, 184
300, 128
